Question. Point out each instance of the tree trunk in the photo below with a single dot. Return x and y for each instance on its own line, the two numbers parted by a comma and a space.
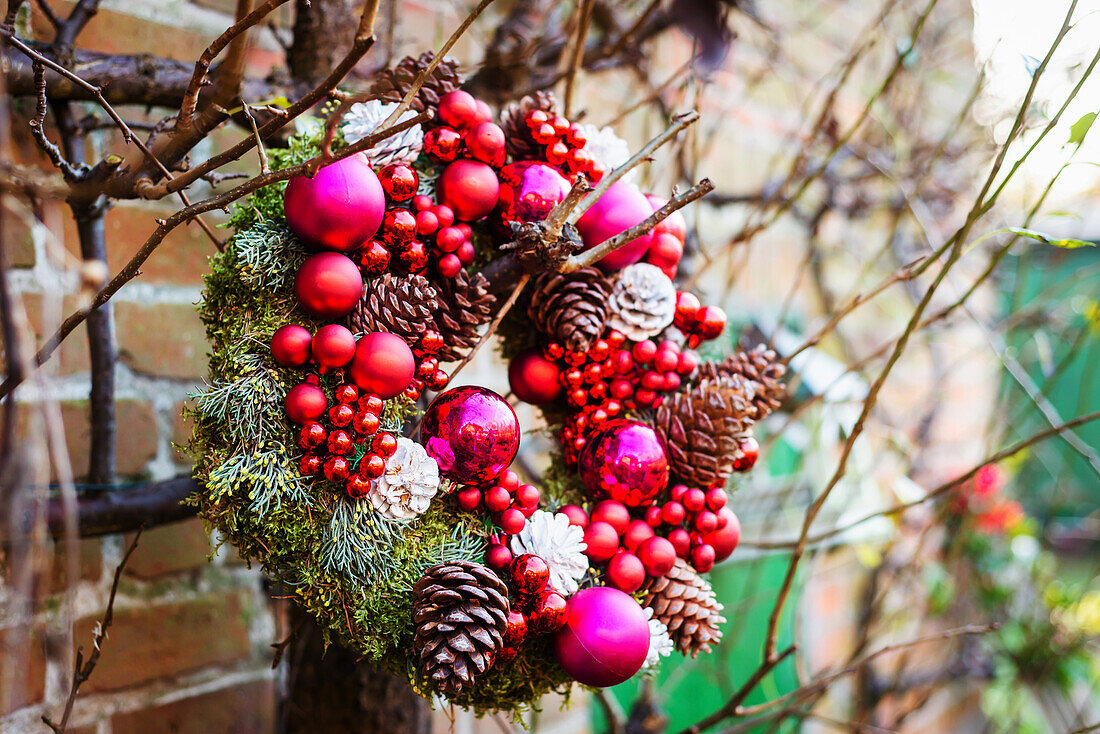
323, 30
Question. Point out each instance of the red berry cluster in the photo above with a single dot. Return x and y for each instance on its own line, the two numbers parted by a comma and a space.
467, 129
698, 322
563, 144
536, 609
452, 247
508, 501
688, 519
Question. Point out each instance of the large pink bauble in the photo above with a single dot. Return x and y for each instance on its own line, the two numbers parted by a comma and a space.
469, 188
626, 462
620, 208
383, 364
605, 638
529, 190
472, 433
328, 285
340, 208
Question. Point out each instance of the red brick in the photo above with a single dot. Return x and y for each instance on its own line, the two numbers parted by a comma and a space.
72, 356
154, 641
245, 709
28, 685
169, 549
161, 339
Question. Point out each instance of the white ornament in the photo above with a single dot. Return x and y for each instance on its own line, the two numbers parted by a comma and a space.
365, 118
410, 481
606, 148
660, 644
549, 536
643, 301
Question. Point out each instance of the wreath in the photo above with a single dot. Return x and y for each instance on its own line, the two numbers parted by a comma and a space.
334, 454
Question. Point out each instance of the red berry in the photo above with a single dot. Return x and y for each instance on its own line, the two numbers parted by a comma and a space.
422, 203
469, 499
672, 382
652, 381
706, 521
465, 253
681, 541
484, 112
336, 469
364, 423
673, 513
637, 532
438, 380
621, 389
601, 540
612, 512
626, 572
290, 345
702, 558
498, 558
666, 360
427, 367
557, 153
444, 214
374, 258
311, 436
399, 181
677, 492
527, 496
658, 555
340, 415
716, 498
371, 404
575, 136
509, 480
536, 117
372, 466
689, 362
357, 486
726, 537
458, 109
512, 521
576, 514
544, 134
653, 516
449, 265
553, 350
427, 224
449, 239
384, 444
346, 393
694, 500
497, 499
644, 351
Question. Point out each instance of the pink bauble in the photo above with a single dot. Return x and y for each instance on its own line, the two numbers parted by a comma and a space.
626, 462
333, 346
290, 345
469, 188
305, 403
472, 433
529, 190
328, 285
383, 365
534, 378
340, 208
725, 539
674, 223
605, 639
620, 208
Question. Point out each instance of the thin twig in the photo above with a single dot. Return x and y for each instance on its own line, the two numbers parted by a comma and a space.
584, 11
504, 309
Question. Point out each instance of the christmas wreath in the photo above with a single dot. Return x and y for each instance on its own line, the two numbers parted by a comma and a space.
332, 452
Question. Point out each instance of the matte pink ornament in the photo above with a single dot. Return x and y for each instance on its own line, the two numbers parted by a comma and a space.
383, 364
605, 638
529, 190
725, 538
620, 208
626, 462
469, 188
340, 208
472, 433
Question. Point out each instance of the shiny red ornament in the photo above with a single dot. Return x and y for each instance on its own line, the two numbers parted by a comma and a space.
549, 612
365, 423
398, 228
529, 574
374, 258
339, 443
576, 514
605, 638
625, 572
750, 452
312, 435
328, 285
710, 323
339, 208
515, 630
601, 540
384, 444
357, 486
443, 143
290, 345
372, 466
626, 462
305, 403
336, 468
427, 367
309, 464
725, 538
341, 415
498, 558
472, 433
371, 404
458, 109
414, 258
658, 555
430, 343
534, 378
333, 346
485, 142
470, 188
529, 190
345, 393
438, 380
399, 181
687, 310
383, 364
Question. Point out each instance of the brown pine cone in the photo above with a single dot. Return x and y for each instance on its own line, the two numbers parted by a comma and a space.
684, 601
513, 120
762, 371
571, 308
703, 427
404, 306
460, 612
391, 85
465, 305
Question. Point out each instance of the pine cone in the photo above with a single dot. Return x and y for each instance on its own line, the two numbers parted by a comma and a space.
643, 302
703, 427
513, 120
404, 306
460, 612
391, 85
686, 604
571, 309
760, 369
465, 305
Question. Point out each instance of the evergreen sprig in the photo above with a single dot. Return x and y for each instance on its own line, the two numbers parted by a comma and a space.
358, 542
249, 406
269, 255
268, 476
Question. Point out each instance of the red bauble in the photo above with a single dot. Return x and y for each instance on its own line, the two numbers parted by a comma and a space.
612, 512
725, 539
710, 323
636, 533
341, 415
605, 639
529, 574
687, 309
549, 612
534, 378
512, 521
339, 443
371, 404
312, 435
750, 452
384, 444
442, 143
333, 346
374, 258
309, 464
414, 259
339, 208
399, 181
472, 433
601, 540
383, 364
621, 207
336, 469
365, 423
470, 188
357, 486
398, 228
290, 345
372, 466
681, 541
673, 513
702, 558
576, 514
626, 462
485, 142
497, 499
527, 497
626, 572
328, 285
529, 190
458, 109
498, 558
658, 555
305, 403
515, 631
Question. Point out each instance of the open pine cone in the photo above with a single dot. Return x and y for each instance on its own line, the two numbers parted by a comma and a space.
571, 308
684, 601
460, 613
761, 370
404, 306
465, 305
391, 85
513, 120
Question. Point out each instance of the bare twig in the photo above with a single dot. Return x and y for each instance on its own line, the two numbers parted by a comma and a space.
504, 309
584, 13
732, 706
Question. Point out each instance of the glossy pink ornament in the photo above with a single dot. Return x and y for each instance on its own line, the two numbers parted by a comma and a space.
605, 638
472, 433
529, 190
534, 378
470, 188
620, 208
383, 364
340, 208
328, 285
626, 462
